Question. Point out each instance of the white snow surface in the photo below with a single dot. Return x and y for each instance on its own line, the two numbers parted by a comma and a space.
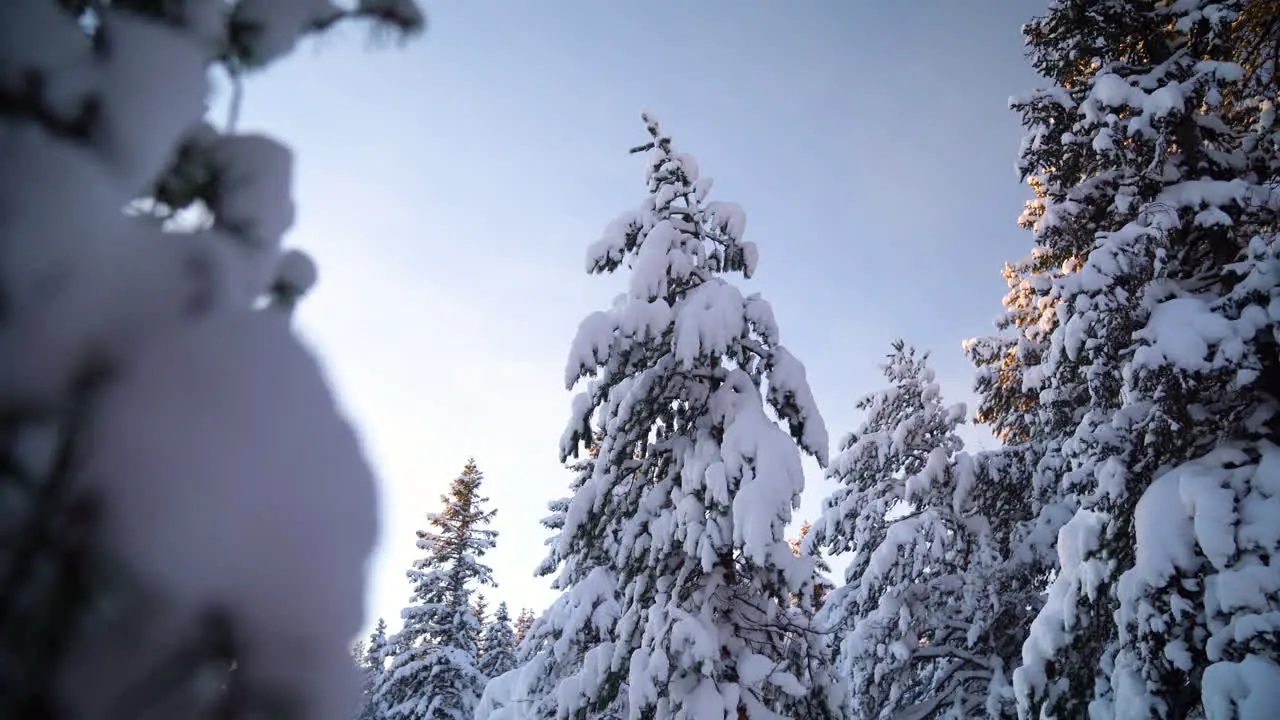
497, 702
1211, 518
228, 467
254, 202
138, 133
564, 670
280, 23
708, 322
1188, 333
1245, 690
296, 273
769, 478
1078, 576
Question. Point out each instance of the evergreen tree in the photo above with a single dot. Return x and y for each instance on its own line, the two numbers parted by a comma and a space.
694, 483
480, 608
387, 684
1143, 383
498, 644
914, 617
570, 645
372, 659
433, 671
524, 621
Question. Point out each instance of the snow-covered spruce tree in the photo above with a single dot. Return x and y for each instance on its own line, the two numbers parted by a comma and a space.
146, 405
694, 483
914, 617
433, 671
358, 651
498, 644
480, 608
385, 686
565, 655
523, 622
1148, 377
373, 664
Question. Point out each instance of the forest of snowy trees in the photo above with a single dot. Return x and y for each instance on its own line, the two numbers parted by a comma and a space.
1114, 557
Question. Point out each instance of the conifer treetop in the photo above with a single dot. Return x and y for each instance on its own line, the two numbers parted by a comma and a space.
434, 672
678, 246
498, 644
458, 534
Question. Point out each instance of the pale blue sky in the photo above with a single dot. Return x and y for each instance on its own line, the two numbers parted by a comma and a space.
449, 191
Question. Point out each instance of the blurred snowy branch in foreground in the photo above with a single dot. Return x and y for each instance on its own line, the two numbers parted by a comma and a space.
170, 453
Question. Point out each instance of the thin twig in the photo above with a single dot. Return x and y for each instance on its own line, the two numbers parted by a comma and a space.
236, 75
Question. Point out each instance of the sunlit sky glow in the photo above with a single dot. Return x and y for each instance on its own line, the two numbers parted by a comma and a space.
449, 191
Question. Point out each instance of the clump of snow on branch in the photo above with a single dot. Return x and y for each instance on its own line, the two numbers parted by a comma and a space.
202, 448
